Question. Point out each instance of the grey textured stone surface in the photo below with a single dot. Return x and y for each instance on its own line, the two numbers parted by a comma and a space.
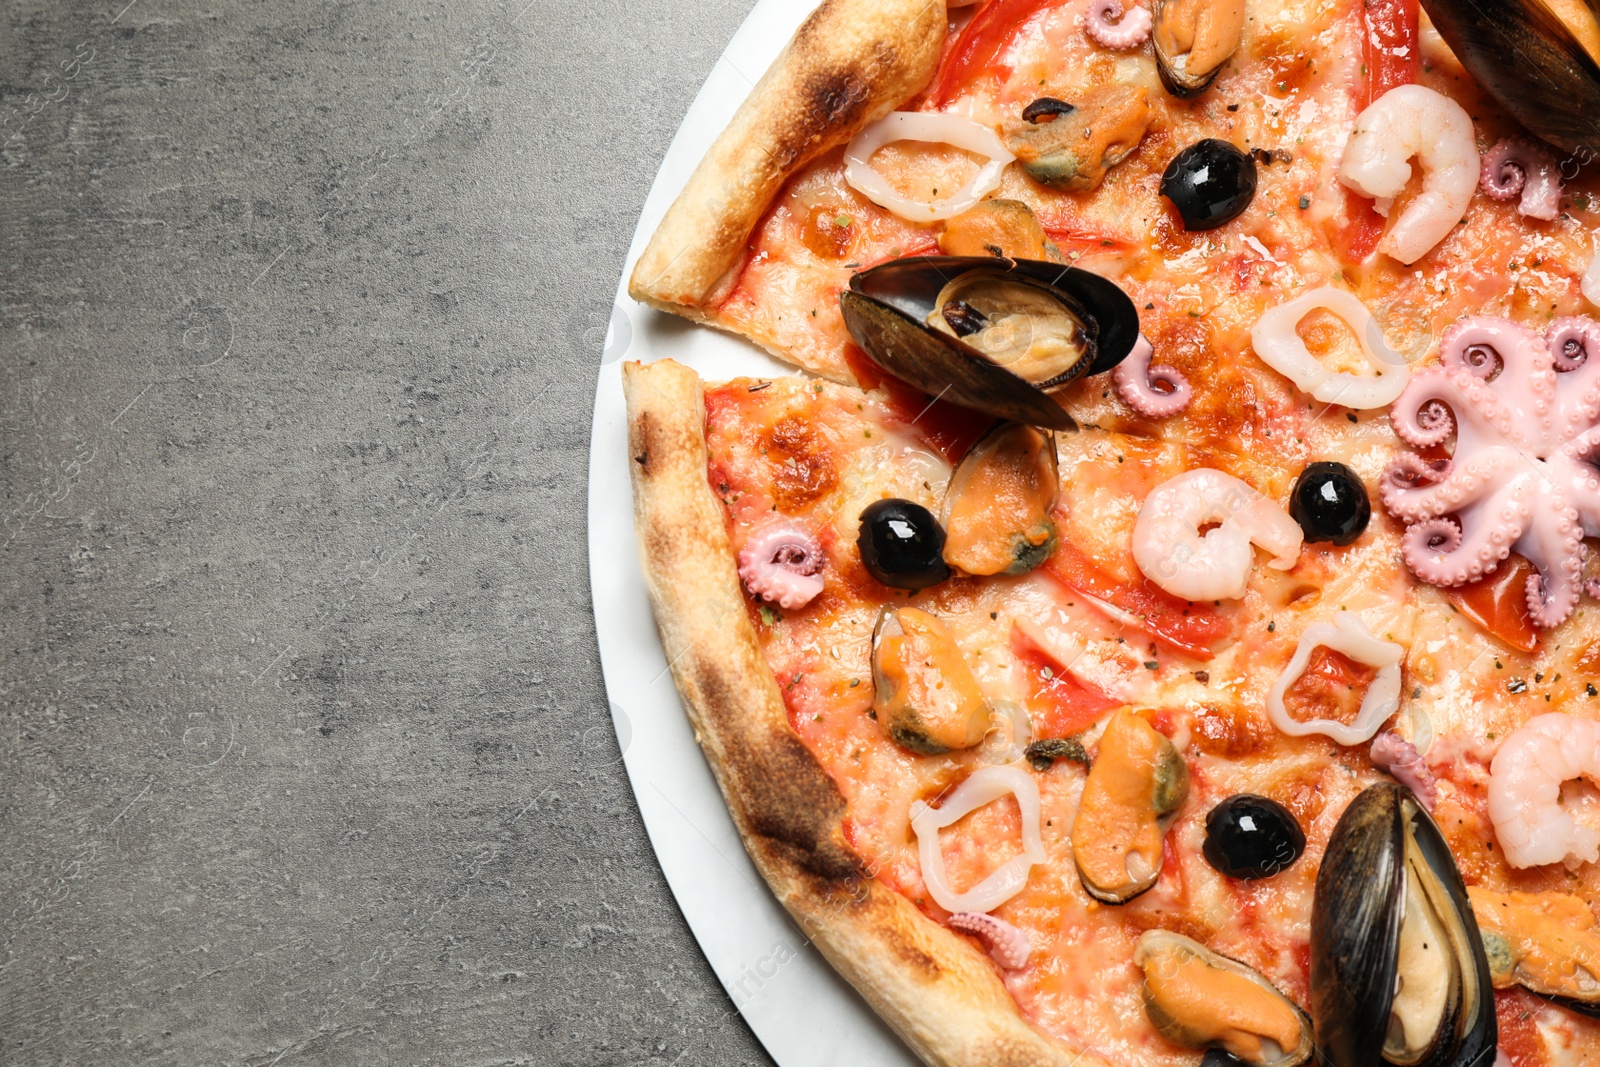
305, 757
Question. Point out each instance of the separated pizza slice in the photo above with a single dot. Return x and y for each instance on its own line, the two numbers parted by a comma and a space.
907, 658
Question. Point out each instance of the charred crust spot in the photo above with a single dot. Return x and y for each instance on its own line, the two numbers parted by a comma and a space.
837, 98
646, 437
784, 795
793, 802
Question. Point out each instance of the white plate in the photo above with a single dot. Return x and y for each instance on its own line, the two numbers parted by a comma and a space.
805, 1014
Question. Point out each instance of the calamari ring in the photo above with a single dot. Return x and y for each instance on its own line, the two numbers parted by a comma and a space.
1349, 635
984, 785
925, 126
1281, 348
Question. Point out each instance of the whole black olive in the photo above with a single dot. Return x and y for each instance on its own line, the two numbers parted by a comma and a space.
1330, 503
1252, 837
1210, 183
902, 545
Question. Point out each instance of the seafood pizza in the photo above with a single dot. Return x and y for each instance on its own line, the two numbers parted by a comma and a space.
1156, 626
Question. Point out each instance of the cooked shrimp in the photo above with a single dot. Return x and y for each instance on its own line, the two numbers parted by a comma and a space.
1172, 552
1405, 122
1525, 783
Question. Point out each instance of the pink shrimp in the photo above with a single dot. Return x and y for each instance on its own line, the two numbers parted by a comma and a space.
1525, 801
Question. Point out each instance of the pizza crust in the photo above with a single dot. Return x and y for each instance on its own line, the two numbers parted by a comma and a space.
850, 63
940, 994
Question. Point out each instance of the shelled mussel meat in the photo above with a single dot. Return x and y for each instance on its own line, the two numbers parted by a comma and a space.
997, 508
1539, 58
995, 335
998, 227
1202, 999
1545, 942
1398, 972
1071, 146
924, 695
1193, 39
1135, 787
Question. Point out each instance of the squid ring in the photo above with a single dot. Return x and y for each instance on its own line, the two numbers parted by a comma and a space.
1281, 348
925, 126
984, 785
1349, 635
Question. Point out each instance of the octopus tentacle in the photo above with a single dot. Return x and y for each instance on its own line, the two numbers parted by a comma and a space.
1007, 945
1553, 543
1424, 413
1516, 167
1517, 361
1108, 27
1581, 482
1551, 600
1413, 489
783, 563
1441, 551
1574, 344
1524, 475
1402, 760
1441, 401
1139, 385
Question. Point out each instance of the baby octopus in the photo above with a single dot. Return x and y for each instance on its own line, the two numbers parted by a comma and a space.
1523, 477
782, 563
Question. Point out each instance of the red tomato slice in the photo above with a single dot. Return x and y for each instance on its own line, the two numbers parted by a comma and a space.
1193, 629
1390, 52
1499, 603
1515, 1010
1062, 704
1360, 235
984, 38
1390, 57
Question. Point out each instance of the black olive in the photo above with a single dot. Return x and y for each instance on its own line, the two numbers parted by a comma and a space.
1330, 503
1210, 183
902, 545
1252, 837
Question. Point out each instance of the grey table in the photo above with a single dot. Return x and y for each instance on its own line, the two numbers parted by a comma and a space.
304, 753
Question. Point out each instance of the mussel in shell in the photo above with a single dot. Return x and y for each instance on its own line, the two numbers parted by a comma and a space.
1202, 999
1539, 58
1545, 942
924, 695
1398, 971
995, 335
997, 509
1193, 39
